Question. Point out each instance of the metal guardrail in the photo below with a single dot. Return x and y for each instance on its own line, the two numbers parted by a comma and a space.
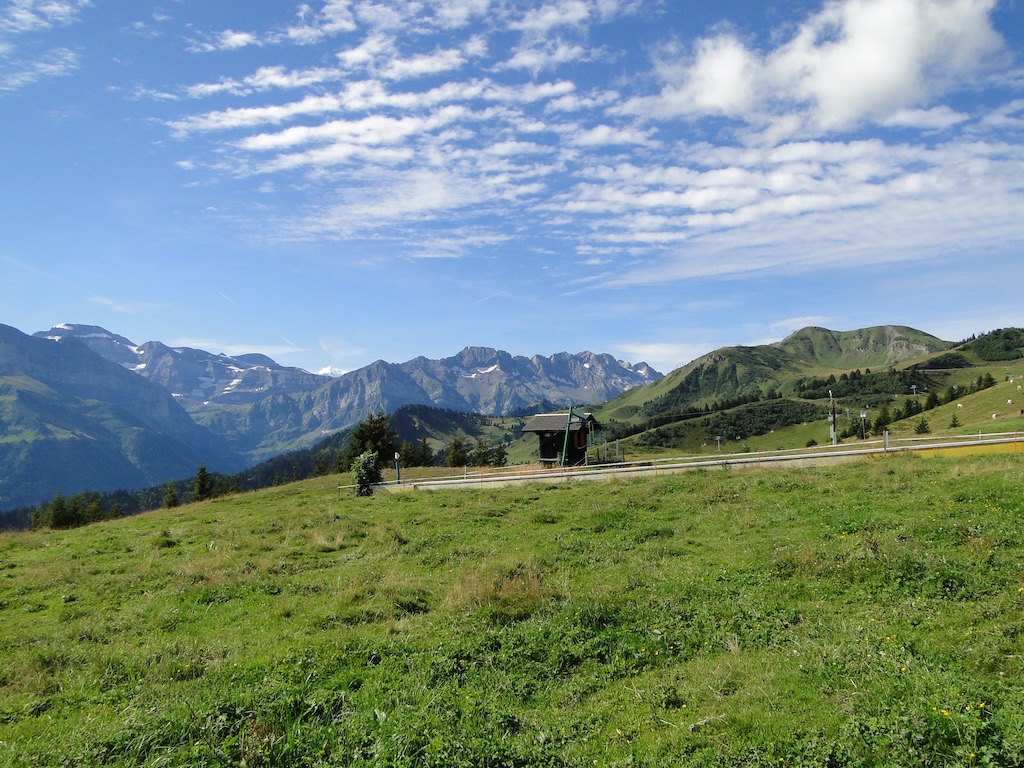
818, 454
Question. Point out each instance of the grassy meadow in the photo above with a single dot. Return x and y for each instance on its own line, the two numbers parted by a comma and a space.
856, 615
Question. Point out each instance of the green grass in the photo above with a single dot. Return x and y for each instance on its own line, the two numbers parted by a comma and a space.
868, 614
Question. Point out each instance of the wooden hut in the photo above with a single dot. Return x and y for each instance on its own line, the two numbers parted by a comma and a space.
569, 432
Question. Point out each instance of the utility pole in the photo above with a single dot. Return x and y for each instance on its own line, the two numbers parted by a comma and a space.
832, 433
565, 444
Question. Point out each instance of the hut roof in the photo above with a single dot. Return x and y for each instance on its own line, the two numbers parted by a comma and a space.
555, 422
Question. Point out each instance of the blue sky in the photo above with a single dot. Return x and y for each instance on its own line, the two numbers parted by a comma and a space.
337, 181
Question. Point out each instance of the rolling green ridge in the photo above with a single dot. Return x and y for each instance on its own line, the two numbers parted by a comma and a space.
777, 395
860, 615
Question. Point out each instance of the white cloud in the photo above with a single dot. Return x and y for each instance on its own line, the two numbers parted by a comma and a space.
375, 46
381, 16
855, 61
247, 117
55, 63
229, 40
428, 127
721, 80
335, 17
601, 135
540, 21
452, 14
864, 59
548, 55
266, 78
663, 356
425, 64
20, 18
23, 16
936, 119
1007, 117
397, 198
223, 41
377, 129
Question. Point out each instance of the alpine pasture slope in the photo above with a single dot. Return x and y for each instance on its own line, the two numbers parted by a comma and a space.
857, 615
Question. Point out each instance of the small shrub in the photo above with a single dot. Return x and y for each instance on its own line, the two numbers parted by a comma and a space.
366, 469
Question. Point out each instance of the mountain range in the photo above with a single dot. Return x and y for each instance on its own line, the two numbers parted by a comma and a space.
85, 409
71, 420
82, 408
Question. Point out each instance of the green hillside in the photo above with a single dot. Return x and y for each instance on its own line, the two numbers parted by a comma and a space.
867, 614
779, 395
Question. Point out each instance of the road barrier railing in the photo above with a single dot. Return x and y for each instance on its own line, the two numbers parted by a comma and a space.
666, 465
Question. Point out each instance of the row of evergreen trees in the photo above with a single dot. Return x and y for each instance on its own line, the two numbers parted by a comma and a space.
92, 506
375, 435
911, 407
372, 435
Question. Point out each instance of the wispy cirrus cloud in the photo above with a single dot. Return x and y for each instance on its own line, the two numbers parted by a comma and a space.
247, 117
425, 126
25, 16
311, 27
22, 61
233, 349
265, 79
54, 63
226, 40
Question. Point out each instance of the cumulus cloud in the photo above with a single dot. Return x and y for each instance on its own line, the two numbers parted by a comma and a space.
855, 61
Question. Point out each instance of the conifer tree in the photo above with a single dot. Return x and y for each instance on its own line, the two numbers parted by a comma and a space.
424, 454
170, 500
375, 435
320, 465
457, 455
481, 456
202, 485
